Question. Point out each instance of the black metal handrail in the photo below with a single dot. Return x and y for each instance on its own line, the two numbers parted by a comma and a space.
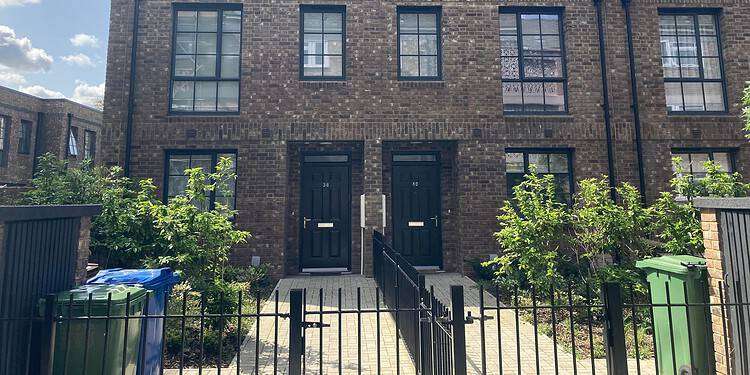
421, 319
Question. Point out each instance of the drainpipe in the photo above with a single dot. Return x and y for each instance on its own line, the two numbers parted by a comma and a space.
131, 89
605, 104
39, 145
634, 92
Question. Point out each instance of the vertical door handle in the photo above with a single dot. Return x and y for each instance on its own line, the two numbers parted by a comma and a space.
305, 220
435, 219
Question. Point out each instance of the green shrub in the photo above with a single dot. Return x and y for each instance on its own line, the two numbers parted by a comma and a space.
136, 229
531, 232
716, 183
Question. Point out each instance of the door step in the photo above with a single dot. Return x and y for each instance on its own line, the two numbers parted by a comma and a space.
325, 271
428, 269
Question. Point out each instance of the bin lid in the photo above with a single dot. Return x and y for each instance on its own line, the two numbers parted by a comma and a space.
148, 278
679, 264
100, 294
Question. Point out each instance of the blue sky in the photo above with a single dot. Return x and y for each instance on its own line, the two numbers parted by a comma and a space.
54, 48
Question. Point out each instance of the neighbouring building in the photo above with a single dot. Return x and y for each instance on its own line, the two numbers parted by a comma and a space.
32, 126
416, 118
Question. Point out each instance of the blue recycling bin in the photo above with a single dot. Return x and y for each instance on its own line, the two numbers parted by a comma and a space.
159, 282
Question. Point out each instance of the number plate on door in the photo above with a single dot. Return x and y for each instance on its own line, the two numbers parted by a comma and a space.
416, 223
325, 225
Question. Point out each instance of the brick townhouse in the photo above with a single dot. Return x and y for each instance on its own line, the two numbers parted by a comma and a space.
416, 117
32, 126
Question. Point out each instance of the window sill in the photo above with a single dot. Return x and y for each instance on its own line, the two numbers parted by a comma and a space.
702, 116
527, 116
324, 83
202, 115
422, 83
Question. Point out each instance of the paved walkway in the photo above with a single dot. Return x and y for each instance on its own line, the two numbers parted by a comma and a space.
364, 353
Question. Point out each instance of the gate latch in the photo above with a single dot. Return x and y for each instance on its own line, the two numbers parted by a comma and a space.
314, 325
470, 319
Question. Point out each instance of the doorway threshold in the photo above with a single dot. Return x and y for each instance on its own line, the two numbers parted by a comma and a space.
428, 269
328, 271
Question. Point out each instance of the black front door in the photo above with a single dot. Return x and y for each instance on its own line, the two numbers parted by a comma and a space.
417, 233
325, 215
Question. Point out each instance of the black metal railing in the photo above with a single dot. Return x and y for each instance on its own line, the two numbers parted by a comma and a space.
570, 330
427, 325
617, 331
576, 329
403, 288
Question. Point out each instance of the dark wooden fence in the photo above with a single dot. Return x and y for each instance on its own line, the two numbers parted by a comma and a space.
736, 242
39, 251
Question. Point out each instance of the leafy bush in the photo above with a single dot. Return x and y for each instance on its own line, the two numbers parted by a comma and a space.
605, 230
716, 183
531, 228
136, 229
596, 238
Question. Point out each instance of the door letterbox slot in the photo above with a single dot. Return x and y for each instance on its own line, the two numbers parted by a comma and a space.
416, 223
325, 225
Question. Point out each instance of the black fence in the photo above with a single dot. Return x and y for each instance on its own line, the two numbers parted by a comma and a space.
38, 255
401, 326
424, 322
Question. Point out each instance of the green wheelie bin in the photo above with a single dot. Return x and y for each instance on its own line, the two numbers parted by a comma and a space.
108, 341
683, 334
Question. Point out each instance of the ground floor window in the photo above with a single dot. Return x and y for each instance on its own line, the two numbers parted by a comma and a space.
176, 179
555, 162
692, 160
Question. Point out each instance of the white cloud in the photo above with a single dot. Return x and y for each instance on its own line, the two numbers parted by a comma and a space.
9, 3
10, 78
42, 92
79, 59
84, 40
90, 95
18, 53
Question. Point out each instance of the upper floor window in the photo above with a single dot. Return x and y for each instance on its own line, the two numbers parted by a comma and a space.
692, 62
24, 139
89, 145
532, 61
4, 136
419, 44
555, 162
176, 181
693, 162
73, 142
323, 42
206, 58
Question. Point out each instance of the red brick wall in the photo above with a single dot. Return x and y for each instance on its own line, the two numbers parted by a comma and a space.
373, 107
22, 107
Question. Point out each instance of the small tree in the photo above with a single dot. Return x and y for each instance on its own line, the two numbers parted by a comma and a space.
531, 232
136, 229
716, 183
56, 182
605, 231
677, 224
